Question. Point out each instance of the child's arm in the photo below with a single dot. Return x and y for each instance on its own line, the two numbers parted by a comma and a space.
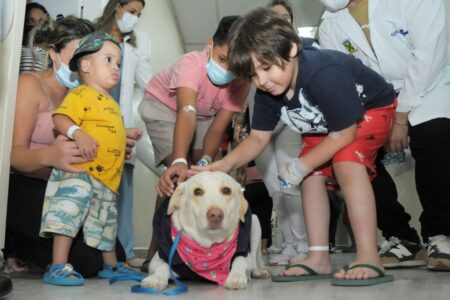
87, 144
133, 135
245, 152
216, 130
185, 123
182, 137
295, 171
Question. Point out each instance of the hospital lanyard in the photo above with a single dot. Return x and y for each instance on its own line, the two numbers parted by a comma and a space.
181, 287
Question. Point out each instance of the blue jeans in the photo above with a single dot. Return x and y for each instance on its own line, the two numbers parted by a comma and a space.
125, 229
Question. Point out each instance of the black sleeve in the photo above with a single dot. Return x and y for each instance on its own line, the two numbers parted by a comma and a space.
266, 111
334, 89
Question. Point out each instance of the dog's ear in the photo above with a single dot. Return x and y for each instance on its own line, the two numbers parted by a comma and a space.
175, 200
243, 204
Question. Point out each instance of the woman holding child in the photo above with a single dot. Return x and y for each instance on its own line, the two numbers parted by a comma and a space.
37, 149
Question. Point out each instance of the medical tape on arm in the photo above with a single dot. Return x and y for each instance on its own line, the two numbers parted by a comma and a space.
189, 108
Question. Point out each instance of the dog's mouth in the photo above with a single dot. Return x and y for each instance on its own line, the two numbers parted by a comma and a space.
214, 225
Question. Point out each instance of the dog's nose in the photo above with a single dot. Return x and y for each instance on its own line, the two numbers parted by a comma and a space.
215, 216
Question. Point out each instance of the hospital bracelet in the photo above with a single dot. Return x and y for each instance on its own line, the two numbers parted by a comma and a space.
180, 160
72, 130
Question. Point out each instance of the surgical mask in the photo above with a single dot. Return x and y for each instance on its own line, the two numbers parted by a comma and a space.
217, 74
66, 77
126, 24
334, 5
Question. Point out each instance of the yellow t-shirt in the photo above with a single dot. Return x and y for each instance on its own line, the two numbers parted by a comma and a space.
100, 117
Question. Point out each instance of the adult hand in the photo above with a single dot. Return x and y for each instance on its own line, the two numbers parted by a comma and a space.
133, 135
398, 140
166, 185
64, 153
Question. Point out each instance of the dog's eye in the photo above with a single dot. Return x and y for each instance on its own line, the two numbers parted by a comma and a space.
198, 192
226, 191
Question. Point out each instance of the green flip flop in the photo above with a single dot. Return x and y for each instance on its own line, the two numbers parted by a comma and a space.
382, 278
311, 275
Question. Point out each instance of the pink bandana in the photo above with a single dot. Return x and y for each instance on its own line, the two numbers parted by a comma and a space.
212, 263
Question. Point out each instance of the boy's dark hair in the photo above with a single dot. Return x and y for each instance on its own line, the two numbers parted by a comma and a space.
221, 35
263, 33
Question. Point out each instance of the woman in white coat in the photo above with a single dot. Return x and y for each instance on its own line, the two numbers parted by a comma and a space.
118, 19
407, 42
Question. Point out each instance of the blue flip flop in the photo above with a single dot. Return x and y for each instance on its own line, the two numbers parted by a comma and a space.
382, 278
59, 274
311, 275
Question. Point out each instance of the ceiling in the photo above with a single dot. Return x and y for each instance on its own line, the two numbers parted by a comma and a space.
198, 19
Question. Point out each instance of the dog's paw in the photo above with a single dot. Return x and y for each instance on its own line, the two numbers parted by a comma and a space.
262, 273
155, 282
236, 281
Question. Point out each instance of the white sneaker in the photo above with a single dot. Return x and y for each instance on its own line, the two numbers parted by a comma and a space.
396, 253
438, 251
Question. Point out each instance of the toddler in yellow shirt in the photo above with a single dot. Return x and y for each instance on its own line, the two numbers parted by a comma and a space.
92, 118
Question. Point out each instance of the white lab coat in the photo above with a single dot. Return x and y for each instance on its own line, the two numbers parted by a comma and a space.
136, 71
412, 51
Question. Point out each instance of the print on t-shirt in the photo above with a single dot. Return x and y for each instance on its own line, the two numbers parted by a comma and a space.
305, 119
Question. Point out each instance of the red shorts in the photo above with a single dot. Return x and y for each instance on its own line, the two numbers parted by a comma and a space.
371, 134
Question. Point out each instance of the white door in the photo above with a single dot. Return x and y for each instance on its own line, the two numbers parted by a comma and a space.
10, 41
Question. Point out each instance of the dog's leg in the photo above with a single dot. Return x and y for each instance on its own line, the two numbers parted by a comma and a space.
237, 279
257, 269
159, 278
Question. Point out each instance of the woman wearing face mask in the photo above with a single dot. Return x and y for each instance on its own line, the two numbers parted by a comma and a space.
119, 19
36, 150
33, 58
188, 106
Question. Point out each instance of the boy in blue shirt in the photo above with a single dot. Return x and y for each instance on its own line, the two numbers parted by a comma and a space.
344, 111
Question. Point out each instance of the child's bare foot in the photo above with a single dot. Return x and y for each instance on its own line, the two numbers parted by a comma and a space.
359, 272
320, 263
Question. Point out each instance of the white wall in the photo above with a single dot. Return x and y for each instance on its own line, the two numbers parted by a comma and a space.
159, 22
9, 62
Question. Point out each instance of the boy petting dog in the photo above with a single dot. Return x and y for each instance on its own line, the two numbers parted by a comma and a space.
344, 111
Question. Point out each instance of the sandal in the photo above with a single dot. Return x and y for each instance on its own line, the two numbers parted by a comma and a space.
120, 271
59, 274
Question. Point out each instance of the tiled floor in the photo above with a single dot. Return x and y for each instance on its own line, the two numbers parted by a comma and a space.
409, 284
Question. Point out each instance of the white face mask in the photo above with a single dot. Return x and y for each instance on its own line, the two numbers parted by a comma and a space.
334, 5
128, 21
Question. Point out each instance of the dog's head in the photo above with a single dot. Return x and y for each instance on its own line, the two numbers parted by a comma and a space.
208, 207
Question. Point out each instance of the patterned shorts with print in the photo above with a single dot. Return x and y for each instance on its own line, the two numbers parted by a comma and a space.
76, 200
372, 133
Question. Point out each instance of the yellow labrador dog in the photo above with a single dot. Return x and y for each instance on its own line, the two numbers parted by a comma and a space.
220, 239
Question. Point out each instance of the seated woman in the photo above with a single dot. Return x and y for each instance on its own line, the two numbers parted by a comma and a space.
36, 150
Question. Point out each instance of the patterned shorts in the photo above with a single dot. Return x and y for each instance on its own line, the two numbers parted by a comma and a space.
74, 200
372, 133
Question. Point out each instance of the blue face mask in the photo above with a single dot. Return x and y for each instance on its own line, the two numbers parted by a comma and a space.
66, 77
217, 74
